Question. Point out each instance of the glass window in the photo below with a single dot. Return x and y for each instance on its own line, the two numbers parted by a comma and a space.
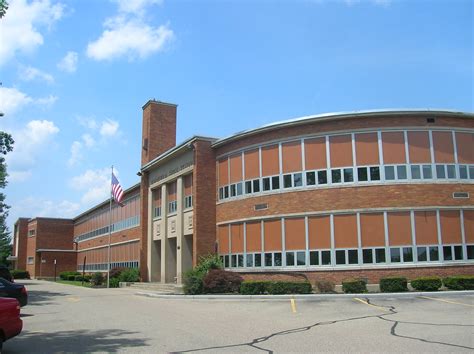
336, 176
256, 185
233, 190
266, 184
314, 257
310, 178
290, 258
233, 260
470, 251
277, 259
249, 260
427, 174
367, 256
440, 171
353, 256
258, 260
415, 172
447, 253
298, 178
325, 257
301, 258
389, 173
463, 172
407, 254
340, 257
362, 174
287, 181
471, 172
375, 173
268, 259
240, 260
434, 254
422, 255
221, 193
226, 192
380, 255
226, 261
275, 182
451, 171
458, 254
395, 255
348, 175
239, 188
248, 187
322, 177
402, 172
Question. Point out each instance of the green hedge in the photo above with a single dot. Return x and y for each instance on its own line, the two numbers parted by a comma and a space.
459, 282
129, 275
68, 274
20, 274
274, 287
426, 283
354, 286
193, 279
393, 284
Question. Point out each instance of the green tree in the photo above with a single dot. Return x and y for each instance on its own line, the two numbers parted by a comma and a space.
6, 145
3, 8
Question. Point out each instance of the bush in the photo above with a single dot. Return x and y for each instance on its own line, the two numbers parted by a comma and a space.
71, 277
218, 281
20, 274
426, 283
354, 286
275, 287
393, 284
459, 282
87, 277
129, 275
115, 272
66, 275
97, 279
325, 286
114, 283
193, 279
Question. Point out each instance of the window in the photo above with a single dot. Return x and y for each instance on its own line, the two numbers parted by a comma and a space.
340, 257
287, 181
233, 190
226, 192
348, 175
240, 260
277, 259
451, 171
362, 174
275, 182
380, 255
367, 256
290, 258
407, 254
395, 255
353, 256
268, 260
319, 257
298, 179
248, 187
375, 173
415, 172
310, 178
233, 260
172, 206
297, 258
239, 188
188, 201
31, 260
31, 233
471, 172
440, 171
266, 184
226, 261
463, 172
249, 261
301, 258
258, 259
325, 257
427, 173
322, 177
313, 258
470, 251
157, 212
369, 253
402, 172
336, 176
427, 253
390, 173
256, 185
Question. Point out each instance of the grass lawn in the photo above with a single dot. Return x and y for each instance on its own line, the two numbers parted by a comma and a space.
73, 282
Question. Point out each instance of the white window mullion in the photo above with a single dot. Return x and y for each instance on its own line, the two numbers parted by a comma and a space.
243, 172
244, 225
262, 239
407, 154
440, 243
328, 162
354, 159
413, 237
381, 162
430, 135
359, 241
306, 233
455, 147
463, 235
283, 248
333, 253
303, 164
387, 243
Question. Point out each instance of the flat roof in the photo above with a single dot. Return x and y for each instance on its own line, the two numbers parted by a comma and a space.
336, 116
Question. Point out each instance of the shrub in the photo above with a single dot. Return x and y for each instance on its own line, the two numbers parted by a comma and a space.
78, 278
129, 275
393, 284
459, 282
206, 263
71, 277
193, 279
218, 281
97, 279
192, 283
354, 286
114, 283
426, 283
66, 275
325, 286
87, 277
115, 272
275, 287
20, 274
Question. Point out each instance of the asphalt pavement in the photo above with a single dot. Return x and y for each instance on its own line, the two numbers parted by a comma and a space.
65, 318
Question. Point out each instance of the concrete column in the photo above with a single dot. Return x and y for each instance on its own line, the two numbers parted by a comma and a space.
153, 257
179, 230
164, 231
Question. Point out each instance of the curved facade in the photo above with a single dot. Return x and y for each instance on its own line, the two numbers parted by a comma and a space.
377, 192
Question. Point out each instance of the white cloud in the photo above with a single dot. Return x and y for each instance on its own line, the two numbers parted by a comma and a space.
95, 184
135, 6
12, 99
21, 25
31, 141
78, 147
19, 176
88, 140
34, 206
30, 74
109, 128
87, 122
68, 63
129, 38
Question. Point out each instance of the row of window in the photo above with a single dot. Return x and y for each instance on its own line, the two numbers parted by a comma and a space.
103, 266
118, 226
173, 206
348, 175
404, 254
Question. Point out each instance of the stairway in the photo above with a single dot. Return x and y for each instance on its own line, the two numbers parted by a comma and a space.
159, 288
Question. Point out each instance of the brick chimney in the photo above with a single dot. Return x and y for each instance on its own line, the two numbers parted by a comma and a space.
159, 129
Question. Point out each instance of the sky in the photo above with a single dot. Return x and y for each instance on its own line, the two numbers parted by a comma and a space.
75, 74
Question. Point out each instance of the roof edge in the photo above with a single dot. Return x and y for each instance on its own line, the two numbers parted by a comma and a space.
150, 101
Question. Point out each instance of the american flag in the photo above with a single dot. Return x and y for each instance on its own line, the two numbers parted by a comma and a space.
117, 190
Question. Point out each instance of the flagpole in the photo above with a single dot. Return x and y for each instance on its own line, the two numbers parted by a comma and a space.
110, 229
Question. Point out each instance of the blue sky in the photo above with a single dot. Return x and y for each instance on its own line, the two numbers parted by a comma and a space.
75, 75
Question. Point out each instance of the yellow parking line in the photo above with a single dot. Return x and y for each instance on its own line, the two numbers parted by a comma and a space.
73, 299
366, 303
449, 302
293, 305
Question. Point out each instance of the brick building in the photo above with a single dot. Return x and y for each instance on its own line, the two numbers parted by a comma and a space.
331, 196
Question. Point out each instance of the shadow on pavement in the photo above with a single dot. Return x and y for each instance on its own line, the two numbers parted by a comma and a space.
78, 341
42, 297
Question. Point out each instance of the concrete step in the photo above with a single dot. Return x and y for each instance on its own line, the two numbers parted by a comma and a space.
159, 288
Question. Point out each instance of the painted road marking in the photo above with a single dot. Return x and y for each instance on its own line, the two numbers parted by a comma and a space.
448, 301
293, 305
366, 303
73, 299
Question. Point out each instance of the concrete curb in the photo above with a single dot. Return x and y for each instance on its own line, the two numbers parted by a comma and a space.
302, 297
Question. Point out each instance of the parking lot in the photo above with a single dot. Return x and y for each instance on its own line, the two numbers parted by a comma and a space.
63, 318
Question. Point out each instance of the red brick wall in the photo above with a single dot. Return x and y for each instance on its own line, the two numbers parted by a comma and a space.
54, 234
144, 228
31, 249
204, 199
119, 236
22, 227
66, 261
